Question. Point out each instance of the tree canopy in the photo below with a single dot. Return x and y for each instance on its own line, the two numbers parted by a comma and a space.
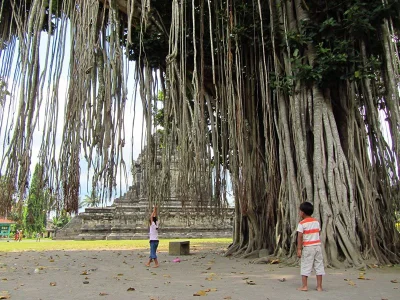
292, 98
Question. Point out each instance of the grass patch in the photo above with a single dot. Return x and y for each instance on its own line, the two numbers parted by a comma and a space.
55, 245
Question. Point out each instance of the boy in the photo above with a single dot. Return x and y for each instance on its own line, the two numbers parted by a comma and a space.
153, 238
309, 246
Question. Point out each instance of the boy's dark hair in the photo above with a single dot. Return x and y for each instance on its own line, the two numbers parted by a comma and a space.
307, 208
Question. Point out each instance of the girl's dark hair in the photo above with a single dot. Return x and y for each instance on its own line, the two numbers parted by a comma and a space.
307, 208
155, 222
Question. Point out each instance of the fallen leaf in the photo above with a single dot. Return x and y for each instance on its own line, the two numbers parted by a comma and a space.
209, 268
4, 296
86, 282
373, 266
351, 283
53, 283
85, 273
120, 274
4, 279
103, 294
228, 297
131, 289
51, 260
250, 282
275, 261
282, 280
394, 281
200, 293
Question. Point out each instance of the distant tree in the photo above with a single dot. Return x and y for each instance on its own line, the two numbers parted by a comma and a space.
61, 220
91, 200
35, 210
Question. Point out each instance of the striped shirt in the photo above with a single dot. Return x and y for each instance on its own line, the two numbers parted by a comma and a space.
310, 229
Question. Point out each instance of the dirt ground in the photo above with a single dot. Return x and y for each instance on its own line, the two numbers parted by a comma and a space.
121, 274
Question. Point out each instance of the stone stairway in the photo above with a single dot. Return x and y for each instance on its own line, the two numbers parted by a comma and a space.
128, 217
69, 231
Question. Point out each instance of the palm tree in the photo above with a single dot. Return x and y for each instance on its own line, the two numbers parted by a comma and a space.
90, 200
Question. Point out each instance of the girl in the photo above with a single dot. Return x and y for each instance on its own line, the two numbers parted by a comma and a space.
153, 238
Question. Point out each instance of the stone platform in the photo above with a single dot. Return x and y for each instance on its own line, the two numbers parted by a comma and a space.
127, 219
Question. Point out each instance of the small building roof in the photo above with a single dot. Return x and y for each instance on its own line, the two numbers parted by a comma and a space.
6, 221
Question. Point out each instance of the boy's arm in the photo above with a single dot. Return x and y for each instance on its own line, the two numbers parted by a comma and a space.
299, 243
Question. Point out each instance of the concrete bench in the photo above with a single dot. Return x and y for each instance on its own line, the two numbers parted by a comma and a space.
179, 248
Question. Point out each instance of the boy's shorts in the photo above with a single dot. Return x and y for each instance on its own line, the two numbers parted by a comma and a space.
311, 258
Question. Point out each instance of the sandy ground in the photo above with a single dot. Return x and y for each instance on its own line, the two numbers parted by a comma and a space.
121, 274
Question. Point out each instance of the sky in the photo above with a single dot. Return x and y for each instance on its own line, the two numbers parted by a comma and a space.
132, 146
133, 132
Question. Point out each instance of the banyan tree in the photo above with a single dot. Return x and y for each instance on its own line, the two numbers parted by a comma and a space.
285, 101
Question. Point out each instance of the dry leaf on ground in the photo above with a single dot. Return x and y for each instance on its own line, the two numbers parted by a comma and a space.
53, 283
394, 281
103, 294
275, 261
5, 295
131, 289
250, 282
351, 283
200, 293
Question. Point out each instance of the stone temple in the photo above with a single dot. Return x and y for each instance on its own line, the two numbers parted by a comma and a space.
127, 218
